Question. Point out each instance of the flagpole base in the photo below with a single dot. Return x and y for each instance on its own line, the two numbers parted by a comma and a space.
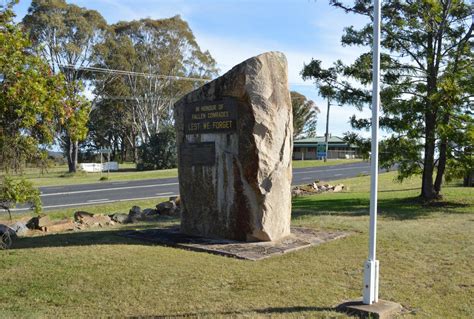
371, 282
382, 309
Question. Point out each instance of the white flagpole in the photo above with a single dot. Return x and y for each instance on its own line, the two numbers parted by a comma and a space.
371, 269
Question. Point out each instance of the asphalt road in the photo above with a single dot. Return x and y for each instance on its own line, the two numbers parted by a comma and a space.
55, 197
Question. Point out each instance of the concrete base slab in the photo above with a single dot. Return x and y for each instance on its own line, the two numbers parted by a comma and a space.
382, 309
300, 238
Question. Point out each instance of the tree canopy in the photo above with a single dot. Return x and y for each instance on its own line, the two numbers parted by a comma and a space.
426, 83
153, 54
31, 110
31, 99
68, 37
304, 115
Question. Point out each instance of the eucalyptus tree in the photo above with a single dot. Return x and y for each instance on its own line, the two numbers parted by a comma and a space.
67, 37
157, 55
305, 114
426, 93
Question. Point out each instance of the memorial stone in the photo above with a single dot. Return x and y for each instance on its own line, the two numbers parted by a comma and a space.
234, 138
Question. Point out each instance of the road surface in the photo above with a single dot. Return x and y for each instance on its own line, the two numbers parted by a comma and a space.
56, 197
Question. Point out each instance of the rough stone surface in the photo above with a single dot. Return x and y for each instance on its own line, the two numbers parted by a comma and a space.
120, 218
166, 208
96, 221
79, 215
135, 214
38, 222
246, 193
60, 226
149, 212
20, 229
6, 229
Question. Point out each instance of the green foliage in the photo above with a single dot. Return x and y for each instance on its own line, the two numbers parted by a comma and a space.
426, 83
156, 48
31, 99
13, 192
363, 144
68, 37
304, 115
159, 152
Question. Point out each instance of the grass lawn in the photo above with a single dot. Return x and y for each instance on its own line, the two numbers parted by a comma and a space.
425, 254
317, 163
58, 175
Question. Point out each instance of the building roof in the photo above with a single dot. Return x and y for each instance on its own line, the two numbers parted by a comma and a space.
313, 141
319, 139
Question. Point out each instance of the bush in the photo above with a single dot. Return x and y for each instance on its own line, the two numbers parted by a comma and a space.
18, 192
159, 152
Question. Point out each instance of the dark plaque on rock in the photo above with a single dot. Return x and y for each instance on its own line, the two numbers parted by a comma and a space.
198, 154
211, 116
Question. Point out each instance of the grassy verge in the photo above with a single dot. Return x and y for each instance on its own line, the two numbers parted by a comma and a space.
317, 163
425, 253
58, 175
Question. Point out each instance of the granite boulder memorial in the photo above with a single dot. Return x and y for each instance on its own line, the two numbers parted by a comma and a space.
234, 138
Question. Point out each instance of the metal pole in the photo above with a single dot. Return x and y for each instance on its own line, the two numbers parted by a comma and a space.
371, 269
327, 131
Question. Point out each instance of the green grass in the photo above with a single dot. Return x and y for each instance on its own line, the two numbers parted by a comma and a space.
425, 254
57, 175
317, 163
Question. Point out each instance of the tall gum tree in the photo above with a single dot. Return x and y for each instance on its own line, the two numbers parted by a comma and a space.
426, 83
67, 37
153, 48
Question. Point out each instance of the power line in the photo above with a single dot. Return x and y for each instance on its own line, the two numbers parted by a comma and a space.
124, 72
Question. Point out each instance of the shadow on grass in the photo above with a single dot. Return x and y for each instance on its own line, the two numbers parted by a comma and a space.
83, 238
396, 208
264, 311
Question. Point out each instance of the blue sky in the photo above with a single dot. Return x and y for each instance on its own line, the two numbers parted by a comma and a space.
234, 30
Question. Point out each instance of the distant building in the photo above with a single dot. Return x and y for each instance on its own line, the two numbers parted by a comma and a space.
315, 148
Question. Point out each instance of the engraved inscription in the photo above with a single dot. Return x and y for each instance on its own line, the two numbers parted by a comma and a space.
198, 154
211, 117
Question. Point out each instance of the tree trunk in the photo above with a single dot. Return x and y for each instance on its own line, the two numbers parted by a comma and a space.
441, 167
72, 150
427, 187
443, 149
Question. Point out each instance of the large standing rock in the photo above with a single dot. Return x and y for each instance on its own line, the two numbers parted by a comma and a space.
234, 139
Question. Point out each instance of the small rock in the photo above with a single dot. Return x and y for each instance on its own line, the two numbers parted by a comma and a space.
6, 229
166, 208
120, 218
135, 214
79, 215
20, 228
323, 188
61, 226
96, 221
149, 212
38, 222
338, 188
297, 192
136, 210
